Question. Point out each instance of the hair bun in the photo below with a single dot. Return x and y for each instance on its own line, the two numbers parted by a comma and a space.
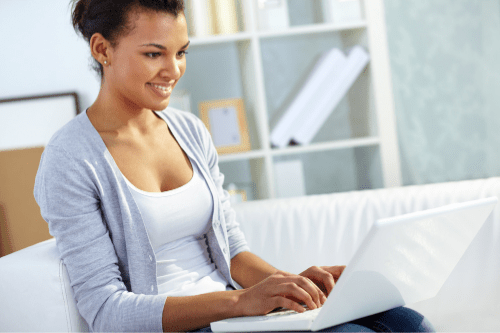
79, 12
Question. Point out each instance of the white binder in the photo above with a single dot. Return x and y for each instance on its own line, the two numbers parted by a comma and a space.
327, 67
332, 93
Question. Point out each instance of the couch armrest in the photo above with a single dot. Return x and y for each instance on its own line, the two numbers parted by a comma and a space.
35, 292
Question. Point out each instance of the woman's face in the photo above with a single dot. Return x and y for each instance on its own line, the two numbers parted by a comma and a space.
147, 63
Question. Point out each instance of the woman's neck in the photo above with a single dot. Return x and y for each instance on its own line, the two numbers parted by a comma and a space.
111, 114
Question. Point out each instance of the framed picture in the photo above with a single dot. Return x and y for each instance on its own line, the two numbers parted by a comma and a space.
30, 121
226, 121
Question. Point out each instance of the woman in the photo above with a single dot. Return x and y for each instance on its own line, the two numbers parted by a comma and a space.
134, 196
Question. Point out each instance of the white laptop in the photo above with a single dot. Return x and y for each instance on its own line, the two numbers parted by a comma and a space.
402, 260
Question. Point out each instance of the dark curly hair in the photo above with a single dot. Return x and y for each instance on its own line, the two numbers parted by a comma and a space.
109, 17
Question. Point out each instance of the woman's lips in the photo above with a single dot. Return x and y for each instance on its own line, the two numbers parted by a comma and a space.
160, 90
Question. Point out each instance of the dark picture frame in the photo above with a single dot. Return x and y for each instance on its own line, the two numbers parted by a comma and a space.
30, 121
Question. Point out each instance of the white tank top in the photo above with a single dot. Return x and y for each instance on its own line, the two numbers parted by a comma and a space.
177, 222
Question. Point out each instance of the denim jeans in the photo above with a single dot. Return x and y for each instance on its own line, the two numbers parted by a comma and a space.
396, 320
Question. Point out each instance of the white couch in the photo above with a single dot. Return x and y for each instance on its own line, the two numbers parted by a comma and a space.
293, 234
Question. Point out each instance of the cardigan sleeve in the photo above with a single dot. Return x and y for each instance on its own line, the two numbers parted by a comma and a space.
237, 241
67, 191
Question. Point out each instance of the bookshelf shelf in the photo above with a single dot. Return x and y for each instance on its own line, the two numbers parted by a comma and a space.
266, 69
291, 150
313, 28
219, 39
326, 146
242, 156
293, 31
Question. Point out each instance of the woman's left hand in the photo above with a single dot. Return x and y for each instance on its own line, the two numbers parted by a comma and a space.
324, 277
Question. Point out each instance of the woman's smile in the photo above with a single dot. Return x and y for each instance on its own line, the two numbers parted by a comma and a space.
161, 90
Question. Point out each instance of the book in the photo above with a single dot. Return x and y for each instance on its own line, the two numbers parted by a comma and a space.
335, 89
328, 65
201, 17
226, 18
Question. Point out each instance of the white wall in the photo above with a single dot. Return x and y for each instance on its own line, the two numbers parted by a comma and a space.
41, 54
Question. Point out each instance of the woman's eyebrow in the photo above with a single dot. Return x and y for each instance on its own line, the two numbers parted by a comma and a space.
161, 47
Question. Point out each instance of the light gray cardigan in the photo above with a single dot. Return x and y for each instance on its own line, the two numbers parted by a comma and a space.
99, 230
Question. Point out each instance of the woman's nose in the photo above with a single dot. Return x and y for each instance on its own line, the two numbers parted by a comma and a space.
171, 70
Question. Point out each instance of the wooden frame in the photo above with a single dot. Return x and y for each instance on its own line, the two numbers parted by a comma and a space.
30, 121
226, 121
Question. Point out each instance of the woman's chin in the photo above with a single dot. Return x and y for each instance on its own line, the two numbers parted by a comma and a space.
159, 106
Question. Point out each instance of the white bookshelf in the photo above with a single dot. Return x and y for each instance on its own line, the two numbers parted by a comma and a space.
244, 64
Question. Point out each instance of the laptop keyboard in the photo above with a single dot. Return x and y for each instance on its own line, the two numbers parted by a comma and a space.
309, 314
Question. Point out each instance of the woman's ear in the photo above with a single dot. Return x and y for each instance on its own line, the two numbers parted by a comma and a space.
100, 49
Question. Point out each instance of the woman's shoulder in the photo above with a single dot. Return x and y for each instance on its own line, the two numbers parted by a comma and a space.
67, 132
75, 138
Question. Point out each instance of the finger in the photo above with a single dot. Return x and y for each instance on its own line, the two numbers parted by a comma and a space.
321, 279
292, 290
335, 271
311, 288
283, 302
324, 279
303, 280
321, 292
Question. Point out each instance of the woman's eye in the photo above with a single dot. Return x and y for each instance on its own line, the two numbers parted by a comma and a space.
153, 54
182, 53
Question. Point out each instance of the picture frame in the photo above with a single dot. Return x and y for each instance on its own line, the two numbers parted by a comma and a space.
30, 121
226, 121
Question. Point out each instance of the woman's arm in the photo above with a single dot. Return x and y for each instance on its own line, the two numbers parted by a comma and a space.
65, 189
248, 269
188, 313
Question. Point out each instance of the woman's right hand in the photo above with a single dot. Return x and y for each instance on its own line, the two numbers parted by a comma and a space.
279, 290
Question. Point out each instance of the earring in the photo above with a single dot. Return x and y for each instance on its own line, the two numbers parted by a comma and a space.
105, 62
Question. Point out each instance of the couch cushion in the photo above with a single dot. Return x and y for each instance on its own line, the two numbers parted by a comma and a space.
35, 292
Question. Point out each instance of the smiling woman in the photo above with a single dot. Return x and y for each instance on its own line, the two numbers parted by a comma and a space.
133, 195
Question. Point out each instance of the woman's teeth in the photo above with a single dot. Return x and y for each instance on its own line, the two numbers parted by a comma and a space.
162, 88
